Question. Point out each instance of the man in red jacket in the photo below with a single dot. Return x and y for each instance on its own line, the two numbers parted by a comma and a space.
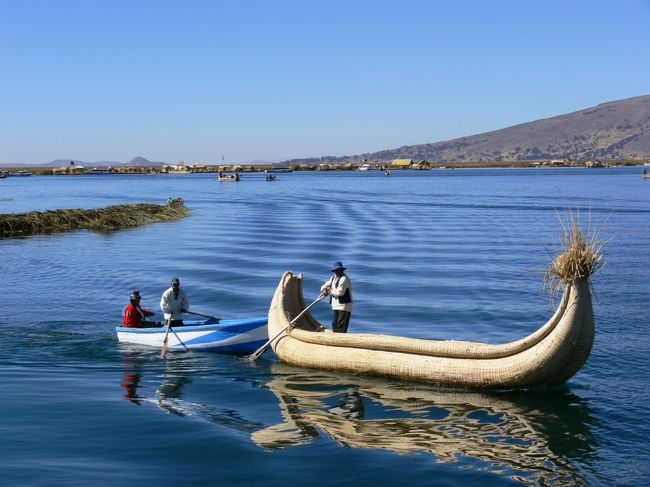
134, 313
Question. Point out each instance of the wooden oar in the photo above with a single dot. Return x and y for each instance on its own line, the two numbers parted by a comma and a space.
258, 353
204, 315
163, 351
179, 339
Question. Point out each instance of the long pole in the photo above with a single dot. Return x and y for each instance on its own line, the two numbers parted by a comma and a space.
179, 339
204, 315
258, 353
163, 351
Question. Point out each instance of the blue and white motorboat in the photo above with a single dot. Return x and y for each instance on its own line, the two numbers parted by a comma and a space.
241, 336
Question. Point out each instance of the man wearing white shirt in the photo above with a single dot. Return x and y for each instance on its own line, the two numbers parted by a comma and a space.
174, 303
339, 287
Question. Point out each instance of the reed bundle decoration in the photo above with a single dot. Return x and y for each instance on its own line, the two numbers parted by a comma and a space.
579, 258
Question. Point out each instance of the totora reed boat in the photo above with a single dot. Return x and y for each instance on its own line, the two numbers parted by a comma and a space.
549, 356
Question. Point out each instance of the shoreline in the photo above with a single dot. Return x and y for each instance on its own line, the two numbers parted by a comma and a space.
74, 170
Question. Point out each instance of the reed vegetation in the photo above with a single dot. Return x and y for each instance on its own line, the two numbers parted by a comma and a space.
579, 258
97, 219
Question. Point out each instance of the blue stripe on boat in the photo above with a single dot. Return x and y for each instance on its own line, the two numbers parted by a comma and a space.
233, 326
216, 336
247, 347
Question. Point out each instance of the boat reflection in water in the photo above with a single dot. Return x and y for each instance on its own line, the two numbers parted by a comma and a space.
542, 437
169, 394
528, 435
169, 390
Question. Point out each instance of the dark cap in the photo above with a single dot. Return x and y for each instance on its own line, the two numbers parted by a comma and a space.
338, 265
175, 281
135, 294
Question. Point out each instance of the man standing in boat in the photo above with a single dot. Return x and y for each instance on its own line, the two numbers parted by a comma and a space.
174, 303
134, 314
339, 287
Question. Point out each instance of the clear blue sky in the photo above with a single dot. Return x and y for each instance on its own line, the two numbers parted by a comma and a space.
191, 80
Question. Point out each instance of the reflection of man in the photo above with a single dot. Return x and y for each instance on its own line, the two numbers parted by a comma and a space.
170, 394
350, 406
130, 382
131, 379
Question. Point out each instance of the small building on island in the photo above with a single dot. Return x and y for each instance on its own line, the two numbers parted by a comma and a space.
410, 164
402, 163
423, 164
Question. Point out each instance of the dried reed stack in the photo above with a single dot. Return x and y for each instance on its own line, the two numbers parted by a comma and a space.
580, 256
98, 219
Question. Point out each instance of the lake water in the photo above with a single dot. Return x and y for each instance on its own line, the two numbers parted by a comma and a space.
436, 254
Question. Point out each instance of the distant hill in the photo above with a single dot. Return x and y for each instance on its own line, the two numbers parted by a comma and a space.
614, 130
141, 161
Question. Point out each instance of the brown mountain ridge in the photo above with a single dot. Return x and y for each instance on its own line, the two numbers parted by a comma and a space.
614, 130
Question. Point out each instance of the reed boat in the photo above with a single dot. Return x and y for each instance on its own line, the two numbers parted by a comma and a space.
243, 335
549, 356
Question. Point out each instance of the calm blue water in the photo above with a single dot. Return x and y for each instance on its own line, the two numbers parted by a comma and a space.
438, 254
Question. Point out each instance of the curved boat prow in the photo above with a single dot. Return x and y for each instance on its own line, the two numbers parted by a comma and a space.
549, 356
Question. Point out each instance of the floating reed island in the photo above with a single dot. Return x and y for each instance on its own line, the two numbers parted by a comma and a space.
99, 219
549, 356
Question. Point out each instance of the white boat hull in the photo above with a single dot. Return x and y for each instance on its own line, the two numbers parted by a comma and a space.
226, 336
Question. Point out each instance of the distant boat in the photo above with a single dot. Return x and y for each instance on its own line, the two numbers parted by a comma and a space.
3, 174
279, 169
365, 167
20, 173
234, 178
